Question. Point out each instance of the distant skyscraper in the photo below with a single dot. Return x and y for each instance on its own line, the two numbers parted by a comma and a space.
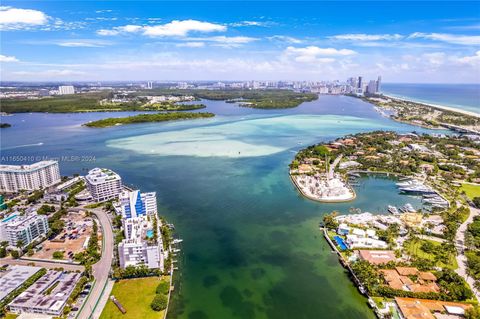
359, 82
372, 87
149, 85
379, 82
66, 89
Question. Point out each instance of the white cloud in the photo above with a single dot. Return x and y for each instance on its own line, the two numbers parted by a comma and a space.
473, 60
285, 38
79, 43
316, 54
103, 11
191, 44
106, 32
223, 41
129, 28
449, 38
366, 37
8, 58
14, 18
175, 28
182, 28
49, 73
250, 24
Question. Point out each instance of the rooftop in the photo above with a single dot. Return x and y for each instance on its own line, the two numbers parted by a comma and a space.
101, 175
377, 256
14, 277
36, 296
26, 168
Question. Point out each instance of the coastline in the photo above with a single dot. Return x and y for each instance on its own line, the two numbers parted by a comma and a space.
436, 106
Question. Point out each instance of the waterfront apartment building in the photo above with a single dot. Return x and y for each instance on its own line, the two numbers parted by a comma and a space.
14, 178
103, 184
134, 204
23, 229
139, 246
66, 89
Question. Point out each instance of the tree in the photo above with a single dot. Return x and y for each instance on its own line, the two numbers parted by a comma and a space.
329, 220
476, 201
472, 313
163, 287
58, 255
19, 244
15, 254
159, 303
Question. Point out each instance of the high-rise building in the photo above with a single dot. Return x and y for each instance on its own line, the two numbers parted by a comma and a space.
103, 184
139, 246
23, 229
14, 178
66, 89
379, 83
149, 85
372, 87
359, 82
134, 204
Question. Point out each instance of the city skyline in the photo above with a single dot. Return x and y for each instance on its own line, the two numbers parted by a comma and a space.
225, 41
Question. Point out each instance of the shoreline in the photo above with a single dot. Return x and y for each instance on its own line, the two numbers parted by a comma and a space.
436, 106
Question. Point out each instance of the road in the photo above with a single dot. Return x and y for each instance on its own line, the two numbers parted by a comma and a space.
101, 269
44, 264
461, 258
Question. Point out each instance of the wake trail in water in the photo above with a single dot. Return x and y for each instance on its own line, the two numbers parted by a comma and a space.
24, 145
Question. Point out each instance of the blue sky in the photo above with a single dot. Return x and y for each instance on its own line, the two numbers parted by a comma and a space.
431, 42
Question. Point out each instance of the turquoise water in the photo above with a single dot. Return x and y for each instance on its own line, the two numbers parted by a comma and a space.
462, 96
150, 233
251, 245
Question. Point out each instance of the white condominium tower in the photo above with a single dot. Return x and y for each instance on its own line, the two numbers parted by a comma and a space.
103, 184
14, 178
134, 204
66, 89
23, 229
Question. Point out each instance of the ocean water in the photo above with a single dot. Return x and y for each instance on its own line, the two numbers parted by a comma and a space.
461, 96
252, 248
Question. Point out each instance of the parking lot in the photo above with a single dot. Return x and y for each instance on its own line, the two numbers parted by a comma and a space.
72, 240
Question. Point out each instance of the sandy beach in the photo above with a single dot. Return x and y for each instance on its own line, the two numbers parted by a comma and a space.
440, 107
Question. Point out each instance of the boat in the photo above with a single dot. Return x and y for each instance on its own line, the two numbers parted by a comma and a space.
176, 241
407, 208
393, 210
419, 189
354, 174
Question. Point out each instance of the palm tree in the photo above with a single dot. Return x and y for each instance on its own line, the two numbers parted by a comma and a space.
20, 244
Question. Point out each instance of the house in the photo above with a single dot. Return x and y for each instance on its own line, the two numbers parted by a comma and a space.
410, 279
343, 229
412, 308
376, 256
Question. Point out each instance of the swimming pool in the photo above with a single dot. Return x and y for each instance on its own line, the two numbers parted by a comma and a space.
340, 242
150, 233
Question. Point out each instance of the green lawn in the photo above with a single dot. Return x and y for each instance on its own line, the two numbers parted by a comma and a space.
135, 295
472, 190
413, 249
11, 316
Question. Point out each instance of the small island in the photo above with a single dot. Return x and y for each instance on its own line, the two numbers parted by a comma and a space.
146, 118
326, 186
5, 125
